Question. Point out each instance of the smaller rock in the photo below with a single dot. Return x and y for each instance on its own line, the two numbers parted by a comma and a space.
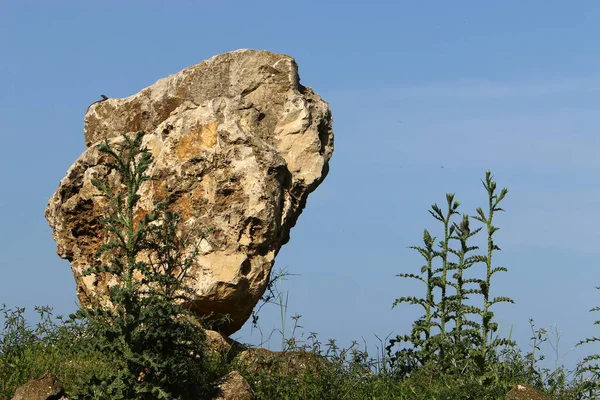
281, 363
234, 386
526, 392
217, 342
45, 388
222, 345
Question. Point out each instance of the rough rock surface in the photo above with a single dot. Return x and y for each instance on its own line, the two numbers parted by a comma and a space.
223, 346
281, 363
45, 388
237, 131
526, 392
234, 386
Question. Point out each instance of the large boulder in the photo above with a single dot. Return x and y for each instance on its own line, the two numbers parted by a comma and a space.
237, 133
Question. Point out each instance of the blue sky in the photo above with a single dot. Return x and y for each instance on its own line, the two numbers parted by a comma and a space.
509, 86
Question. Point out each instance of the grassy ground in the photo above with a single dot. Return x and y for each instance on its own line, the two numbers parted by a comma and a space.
143, 348
26, 352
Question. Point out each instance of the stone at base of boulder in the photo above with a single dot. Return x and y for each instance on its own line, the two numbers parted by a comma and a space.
45, 388
281, 363
526, 392
234, 386
222, 345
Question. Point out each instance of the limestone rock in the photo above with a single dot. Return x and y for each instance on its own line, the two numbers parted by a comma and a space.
237, 131
45, 388
258, 361
526, 392
234, 387
222, 345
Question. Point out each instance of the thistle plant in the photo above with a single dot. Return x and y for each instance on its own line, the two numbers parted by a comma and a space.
589, 367
443, 309
152, 337
488, 327
428, 332
464, 327
453, 333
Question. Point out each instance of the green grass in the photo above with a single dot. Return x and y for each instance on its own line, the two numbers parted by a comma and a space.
52, 345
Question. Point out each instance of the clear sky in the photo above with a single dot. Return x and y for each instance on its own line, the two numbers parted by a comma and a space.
425, 96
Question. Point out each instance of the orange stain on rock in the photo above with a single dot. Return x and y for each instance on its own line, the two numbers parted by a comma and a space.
194, 142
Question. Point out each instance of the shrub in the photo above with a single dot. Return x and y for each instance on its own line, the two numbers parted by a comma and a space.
145, 325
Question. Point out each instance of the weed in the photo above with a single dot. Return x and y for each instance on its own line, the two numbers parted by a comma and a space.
447, 335
145, 324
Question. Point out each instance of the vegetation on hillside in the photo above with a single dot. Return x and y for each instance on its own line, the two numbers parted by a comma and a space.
144, 343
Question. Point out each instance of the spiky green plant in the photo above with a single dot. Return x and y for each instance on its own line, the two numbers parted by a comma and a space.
449, 333
465, 328
426, 339
487, 324
589, 367
145, 327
